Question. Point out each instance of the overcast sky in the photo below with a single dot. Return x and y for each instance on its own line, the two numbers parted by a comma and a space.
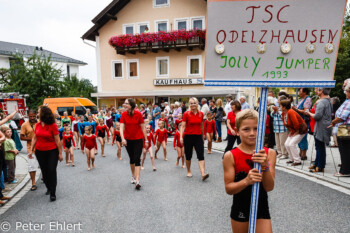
54, 25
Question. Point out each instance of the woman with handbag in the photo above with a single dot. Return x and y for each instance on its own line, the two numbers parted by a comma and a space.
342, 125
297, 130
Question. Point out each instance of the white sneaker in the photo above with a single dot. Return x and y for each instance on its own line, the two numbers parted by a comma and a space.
138, 186
133, 180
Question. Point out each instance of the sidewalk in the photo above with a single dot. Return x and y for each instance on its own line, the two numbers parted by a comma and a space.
332, 161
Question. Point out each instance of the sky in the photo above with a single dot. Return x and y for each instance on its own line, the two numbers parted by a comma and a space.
55, 25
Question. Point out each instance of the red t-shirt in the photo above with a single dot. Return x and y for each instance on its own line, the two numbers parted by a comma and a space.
132, 123
193, 122
210, 126
45, 136
232, 117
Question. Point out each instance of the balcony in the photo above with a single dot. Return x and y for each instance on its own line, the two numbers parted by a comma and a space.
153, 42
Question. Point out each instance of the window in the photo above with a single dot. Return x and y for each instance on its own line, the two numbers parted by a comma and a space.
162, 25
161, 3
141, 27
80, 110
128, 29
162, 66
194, 66
117, 69
61, 110
132, 67
198, 22
181, 24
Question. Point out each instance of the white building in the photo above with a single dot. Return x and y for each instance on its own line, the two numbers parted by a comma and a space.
69, 66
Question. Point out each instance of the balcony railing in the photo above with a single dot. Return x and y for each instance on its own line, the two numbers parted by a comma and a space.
153, 42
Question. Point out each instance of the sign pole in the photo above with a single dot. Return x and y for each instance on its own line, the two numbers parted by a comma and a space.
259, 145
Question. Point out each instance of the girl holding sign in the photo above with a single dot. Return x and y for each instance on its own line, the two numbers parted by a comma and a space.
240, 175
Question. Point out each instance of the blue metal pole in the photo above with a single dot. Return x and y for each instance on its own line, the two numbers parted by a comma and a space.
259, 146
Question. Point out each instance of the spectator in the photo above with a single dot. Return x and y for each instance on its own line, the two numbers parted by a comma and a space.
304, 105
10, 154
143, 111
271, 142
227, 109
2, 165
323, 117
244, 103
27, 134
166, 109
335, 105
177, 111
297, 130
218, 118
342, 127
205, 108
281, 132
183, 107
272, 94
156, 115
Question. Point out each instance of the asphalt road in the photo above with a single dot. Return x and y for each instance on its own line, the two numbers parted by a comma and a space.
103, 200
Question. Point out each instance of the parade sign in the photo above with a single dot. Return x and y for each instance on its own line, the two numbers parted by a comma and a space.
273, 43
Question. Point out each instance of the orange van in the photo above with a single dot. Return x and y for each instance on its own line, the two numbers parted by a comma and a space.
71, 104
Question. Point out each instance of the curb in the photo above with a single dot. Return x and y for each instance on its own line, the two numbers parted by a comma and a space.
13, 194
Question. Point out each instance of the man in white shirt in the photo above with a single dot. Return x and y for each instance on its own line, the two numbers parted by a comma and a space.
205, 108
244, 104
166, 108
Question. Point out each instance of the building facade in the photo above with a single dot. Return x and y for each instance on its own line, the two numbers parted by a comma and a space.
151, 72
67, 65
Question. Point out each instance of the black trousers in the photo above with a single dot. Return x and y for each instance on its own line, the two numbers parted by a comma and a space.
134, 149
48, 161
231, 141
344, 148
197, 142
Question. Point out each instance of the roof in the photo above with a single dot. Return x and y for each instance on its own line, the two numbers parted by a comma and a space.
104, 16
10, 49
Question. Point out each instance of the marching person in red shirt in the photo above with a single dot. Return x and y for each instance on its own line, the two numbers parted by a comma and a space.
67, 145
179, 148
90, 145
150, 138
161, 139
210, 130
116, 136
132, 132
48, 149
192, 128
178, 121
101, 130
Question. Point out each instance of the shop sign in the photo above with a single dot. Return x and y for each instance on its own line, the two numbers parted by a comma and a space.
178, 82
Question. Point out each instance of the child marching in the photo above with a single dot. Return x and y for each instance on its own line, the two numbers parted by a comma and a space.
150, 138
210, 130
67, 141
101, 130
118, 139
161, 139
179, 148
89, 145
76, 131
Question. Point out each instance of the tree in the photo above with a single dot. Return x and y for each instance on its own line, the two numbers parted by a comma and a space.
38, 77
342, 70
35, 76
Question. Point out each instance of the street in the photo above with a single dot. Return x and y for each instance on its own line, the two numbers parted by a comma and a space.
104, 200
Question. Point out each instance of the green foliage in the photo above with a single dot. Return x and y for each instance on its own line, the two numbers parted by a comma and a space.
342, 70
39, 78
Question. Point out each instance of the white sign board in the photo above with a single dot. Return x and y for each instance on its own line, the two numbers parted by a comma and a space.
254, 33
178, 82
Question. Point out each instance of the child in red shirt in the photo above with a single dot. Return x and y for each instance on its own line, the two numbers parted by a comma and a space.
101, 130
89, 143
150, 138
161, 138
116, 136
178, 121
179, 148
209, 130
67, 145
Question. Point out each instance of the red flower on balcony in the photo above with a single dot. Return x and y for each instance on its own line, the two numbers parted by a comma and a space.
125, 41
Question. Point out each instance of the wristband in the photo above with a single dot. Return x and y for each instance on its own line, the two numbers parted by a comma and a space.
266, 168
146, 141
